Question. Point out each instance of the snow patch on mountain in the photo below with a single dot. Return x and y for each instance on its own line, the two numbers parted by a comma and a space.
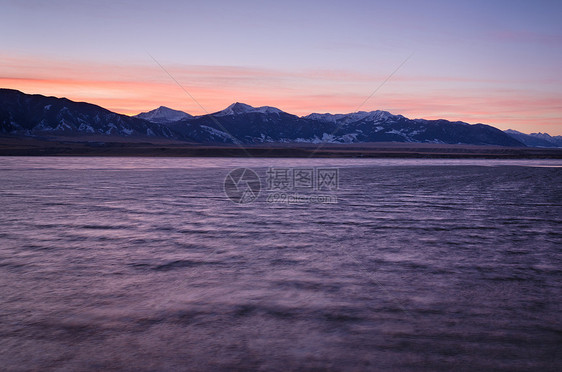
86, 128
374, 116
242, 108
163, 115
216, 133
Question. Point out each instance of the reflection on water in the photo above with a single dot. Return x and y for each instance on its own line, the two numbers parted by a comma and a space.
144, 264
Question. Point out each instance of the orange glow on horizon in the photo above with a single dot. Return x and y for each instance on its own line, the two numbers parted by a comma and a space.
117, 88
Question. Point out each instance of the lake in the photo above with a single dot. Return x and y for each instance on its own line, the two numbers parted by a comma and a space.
164, 264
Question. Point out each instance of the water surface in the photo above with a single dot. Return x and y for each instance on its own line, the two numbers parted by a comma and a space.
144, 264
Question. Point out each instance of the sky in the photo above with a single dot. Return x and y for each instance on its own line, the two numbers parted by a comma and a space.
492, 62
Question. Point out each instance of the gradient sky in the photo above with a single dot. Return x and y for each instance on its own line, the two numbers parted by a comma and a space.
494, 62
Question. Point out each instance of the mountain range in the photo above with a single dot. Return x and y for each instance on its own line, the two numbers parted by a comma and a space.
36, 115
536, 139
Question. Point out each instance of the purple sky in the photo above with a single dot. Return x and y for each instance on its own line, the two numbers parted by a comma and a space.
496, 62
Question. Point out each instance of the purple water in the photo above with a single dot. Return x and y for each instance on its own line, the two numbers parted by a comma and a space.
144, 264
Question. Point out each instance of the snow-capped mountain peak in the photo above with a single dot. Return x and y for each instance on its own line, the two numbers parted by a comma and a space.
512, 131
377, 115
163, 114
352, 117
536, 139
242, 108
239, 108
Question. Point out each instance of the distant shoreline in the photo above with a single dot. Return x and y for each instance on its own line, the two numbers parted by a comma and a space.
12, 146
